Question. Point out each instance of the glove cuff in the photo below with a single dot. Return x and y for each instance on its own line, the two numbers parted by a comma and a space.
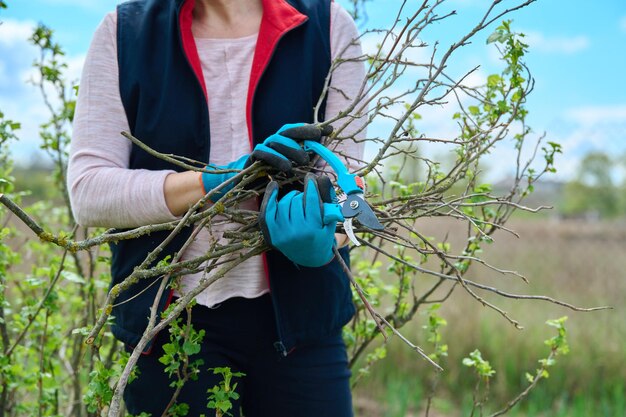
210, 181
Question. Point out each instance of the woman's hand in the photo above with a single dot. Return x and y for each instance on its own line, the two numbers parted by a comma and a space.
279, 152
302, 225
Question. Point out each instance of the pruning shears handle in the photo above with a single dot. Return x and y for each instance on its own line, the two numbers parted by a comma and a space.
346, 181
354, 205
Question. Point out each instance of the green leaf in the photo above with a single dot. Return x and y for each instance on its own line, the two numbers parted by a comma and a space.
72, 277
468, 362
191, 348
169, 348
558, 323
494, 37
493, 80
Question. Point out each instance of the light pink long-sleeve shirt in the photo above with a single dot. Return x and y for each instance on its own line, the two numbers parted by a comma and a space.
105, 192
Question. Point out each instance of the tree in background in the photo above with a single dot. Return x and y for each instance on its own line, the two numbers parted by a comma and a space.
594, 192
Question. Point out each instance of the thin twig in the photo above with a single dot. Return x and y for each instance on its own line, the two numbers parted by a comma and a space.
378, 318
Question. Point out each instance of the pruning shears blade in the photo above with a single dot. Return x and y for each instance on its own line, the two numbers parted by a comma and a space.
355, 207
349, 229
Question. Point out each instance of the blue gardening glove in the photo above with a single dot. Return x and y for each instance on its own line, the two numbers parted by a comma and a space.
212, 180
282, 152
302, 225
278, 151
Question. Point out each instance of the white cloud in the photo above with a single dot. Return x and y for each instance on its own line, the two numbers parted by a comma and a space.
494, 56
537, 41
584, 129
476, 79
13, 32
579, 130
21, 101
594, 115
4, 75
74, 67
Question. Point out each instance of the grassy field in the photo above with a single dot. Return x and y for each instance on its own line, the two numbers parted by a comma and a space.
580, 263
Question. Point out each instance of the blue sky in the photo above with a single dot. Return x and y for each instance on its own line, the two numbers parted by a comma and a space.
577, 56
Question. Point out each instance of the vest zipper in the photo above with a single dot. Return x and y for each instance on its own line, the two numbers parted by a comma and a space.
279, 344
263, 73
280, 348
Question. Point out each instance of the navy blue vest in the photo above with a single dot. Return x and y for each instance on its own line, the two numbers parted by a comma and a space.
164, 97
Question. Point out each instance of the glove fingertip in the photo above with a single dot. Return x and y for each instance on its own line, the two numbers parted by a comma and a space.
325, 187
269, 197
295, 154
310, 184
313, 205
272, 158
327, 130
303, 132
289, 126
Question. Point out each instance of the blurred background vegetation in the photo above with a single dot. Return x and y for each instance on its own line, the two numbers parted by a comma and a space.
579, 261
573, 252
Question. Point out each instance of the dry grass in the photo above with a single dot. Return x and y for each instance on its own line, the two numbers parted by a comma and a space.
581, 263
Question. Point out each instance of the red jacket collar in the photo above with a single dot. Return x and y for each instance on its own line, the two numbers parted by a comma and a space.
279, 17
185, 19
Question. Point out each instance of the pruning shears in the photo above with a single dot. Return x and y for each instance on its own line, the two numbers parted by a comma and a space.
354, 205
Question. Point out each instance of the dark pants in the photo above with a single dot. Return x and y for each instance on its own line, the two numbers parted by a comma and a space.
313, 380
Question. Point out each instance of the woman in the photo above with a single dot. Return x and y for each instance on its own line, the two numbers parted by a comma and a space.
215, 80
